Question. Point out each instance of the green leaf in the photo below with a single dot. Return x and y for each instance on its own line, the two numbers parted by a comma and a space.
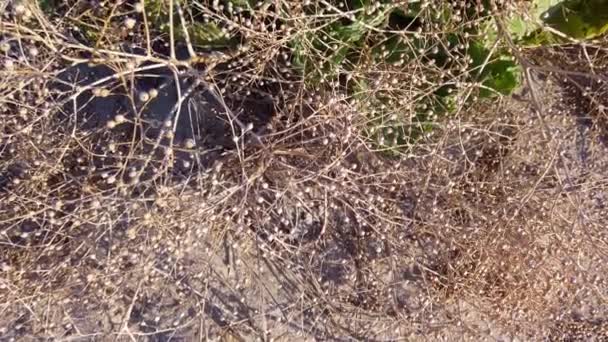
500, 74
347, 33
521, 25
580, 19
206, 35
243, 3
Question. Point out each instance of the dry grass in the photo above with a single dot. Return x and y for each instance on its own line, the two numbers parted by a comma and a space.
152, 190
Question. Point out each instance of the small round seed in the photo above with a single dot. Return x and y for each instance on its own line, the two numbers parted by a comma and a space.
144, 96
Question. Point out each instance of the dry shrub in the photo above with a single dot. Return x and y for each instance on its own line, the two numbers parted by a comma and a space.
149, 197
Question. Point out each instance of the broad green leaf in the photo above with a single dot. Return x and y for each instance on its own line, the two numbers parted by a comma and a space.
519, 27
520, 24
501, 74
580, 19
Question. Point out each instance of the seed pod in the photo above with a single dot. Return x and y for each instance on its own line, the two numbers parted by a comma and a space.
144, 96
5, 47
120, 118
9, 64
19, 9
130, 23
189, 143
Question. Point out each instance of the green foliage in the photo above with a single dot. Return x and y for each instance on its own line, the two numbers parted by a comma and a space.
578, 19
492, 65
523, 24
344, 47
324, 53
498, 74
47, 6
205, 35
243, 3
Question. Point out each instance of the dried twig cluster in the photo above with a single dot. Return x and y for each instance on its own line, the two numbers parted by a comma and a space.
153, 188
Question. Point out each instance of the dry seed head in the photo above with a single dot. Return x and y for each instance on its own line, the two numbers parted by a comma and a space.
144, 96
9, 64
138, 7
19, 9
120, 119
189, 143
5, 47
130, 23
27, 15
